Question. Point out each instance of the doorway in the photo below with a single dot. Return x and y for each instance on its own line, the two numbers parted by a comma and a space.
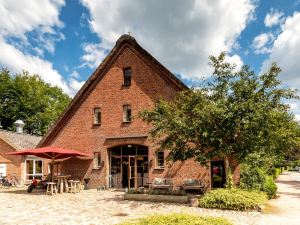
218, 174
128, 166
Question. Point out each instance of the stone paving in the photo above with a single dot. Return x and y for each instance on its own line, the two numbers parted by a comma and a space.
107, 207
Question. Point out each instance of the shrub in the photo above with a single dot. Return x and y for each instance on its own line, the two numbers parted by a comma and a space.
167, 192
178, 219
255, 178
234, 199
270, 187
251, 177
277, 172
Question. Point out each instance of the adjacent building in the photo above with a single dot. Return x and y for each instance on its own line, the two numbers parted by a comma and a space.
24, 167
102, 121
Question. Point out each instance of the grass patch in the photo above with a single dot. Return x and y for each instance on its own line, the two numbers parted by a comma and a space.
178, 219
233, 199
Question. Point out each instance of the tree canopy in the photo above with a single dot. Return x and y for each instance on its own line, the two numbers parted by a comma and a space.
236, 113
28, 97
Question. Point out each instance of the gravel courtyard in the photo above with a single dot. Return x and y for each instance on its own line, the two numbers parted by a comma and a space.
108, 207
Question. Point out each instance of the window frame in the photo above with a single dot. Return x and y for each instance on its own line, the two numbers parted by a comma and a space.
127, 118
97, 116
157, 164
98, 165
127, 75
34, 172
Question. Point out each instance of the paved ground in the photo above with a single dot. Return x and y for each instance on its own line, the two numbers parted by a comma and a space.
108, 207
285, 210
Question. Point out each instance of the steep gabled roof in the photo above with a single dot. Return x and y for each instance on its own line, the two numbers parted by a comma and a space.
19, 141
123, 42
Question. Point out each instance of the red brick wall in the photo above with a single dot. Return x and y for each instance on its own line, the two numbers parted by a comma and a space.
80, 134
14, 164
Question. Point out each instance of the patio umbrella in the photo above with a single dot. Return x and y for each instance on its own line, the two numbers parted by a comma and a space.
49, 152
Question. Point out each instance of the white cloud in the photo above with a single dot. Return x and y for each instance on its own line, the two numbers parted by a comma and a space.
75, 84
19, 17
93, 55
17, 61
273, 18
261, 42
179, 34
286, 51
41, 19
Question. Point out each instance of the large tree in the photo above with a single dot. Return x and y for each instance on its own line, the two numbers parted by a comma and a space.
28, 97
233, 113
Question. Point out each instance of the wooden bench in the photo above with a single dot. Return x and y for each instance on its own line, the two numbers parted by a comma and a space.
194, 185
162, 183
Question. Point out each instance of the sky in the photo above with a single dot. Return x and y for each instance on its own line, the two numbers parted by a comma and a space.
64, 41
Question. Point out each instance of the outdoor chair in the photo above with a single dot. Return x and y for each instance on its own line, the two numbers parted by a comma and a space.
162, 183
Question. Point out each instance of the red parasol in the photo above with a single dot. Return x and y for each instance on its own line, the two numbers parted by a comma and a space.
49, 152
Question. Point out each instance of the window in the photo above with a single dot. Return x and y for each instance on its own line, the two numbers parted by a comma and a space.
126, 113
97, 160
97, 116
160, 159
34, 169
127, 76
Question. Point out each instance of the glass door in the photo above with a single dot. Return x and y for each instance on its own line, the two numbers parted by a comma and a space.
132, 172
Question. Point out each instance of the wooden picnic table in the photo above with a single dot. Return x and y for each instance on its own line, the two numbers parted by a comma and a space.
62, 183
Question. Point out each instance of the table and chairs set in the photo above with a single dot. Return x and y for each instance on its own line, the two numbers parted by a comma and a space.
62, 184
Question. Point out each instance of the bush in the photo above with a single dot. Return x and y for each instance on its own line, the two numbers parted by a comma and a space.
252, 177
234, 199
167, 192
270, 187
255, 178
178, 219
277, 172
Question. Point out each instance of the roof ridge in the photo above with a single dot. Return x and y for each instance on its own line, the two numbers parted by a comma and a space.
25, 134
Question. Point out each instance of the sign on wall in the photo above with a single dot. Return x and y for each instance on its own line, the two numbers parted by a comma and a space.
2, 169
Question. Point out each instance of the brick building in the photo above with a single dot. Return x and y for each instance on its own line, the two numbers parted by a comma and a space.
102, 121
24, 167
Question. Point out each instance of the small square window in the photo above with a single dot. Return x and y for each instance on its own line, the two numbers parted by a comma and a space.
126, 113
97, 116
97, 160
160, 159
127, 76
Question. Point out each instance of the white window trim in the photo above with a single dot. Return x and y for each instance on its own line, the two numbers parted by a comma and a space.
34, 174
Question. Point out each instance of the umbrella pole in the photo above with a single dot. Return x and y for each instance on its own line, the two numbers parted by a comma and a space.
52, 170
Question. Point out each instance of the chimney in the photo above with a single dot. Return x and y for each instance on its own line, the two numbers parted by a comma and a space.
19, 126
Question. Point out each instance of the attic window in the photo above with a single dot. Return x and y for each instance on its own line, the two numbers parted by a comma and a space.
127, 77
97, 116
126, 113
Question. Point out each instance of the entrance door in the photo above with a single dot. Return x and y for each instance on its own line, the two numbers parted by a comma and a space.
218, 175
128, 166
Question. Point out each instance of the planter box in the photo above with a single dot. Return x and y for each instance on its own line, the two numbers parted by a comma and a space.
157, 198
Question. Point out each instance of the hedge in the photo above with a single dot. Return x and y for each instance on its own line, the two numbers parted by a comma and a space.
178, 219
233, 199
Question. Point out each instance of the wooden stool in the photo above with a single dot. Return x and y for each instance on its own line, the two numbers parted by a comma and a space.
71, 188
51, 188
76, 185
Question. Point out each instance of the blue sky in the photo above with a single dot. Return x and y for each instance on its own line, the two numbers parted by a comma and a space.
64, 41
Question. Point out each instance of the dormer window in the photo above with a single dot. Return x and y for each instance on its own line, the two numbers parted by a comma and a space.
126, 113
127, 77
97, 116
